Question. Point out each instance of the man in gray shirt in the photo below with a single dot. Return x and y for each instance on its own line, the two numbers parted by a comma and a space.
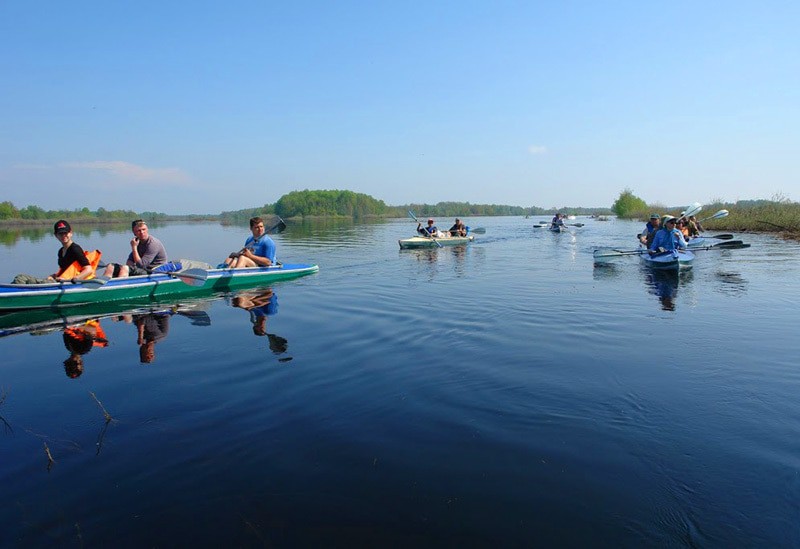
147, 253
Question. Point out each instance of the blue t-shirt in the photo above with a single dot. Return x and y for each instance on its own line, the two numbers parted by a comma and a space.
263, 247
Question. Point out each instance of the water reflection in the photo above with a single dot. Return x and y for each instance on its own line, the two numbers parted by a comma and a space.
261, 304
79, 340
664, 285
731, 283
150, 329
10, 236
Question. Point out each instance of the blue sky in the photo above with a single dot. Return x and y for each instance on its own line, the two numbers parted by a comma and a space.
200, 107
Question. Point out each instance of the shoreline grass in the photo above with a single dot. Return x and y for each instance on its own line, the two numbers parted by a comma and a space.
780, 217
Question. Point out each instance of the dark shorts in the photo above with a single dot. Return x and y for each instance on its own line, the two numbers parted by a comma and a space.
132, 271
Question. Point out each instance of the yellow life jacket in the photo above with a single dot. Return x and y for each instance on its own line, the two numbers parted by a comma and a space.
74, 270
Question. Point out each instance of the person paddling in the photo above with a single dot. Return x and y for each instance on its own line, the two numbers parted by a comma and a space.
650, 229
258, 251
458, 228
429, 231
668, 238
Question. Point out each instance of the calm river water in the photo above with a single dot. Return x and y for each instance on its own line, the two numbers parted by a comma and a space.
508, 392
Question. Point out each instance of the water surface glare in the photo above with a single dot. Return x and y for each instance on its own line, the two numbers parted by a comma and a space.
509, 392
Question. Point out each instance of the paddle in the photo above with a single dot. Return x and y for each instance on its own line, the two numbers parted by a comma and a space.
91, 283
615, 253
477, 230
574, 224
719, 215
732, 245
693, 209
414, 217
726, 236
278, 227
192, 277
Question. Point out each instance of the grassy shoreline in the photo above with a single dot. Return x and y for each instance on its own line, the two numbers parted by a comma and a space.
782, 218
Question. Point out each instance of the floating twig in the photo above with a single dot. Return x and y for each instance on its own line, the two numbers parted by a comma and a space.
50, 460
105, 412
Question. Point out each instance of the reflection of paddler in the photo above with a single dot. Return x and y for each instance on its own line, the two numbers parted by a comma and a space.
151, 328
79, 340
260, 306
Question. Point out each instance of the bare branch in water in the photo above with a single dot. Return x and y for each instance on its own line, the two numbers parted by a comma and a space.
105, 412
50, 460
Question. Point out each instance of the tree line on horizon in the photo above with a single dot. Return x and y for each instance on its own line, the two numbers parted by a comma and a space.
306, 203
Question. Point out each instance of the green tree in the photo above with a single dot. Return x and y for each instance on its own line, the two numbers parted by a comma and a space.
628, 204
8, 211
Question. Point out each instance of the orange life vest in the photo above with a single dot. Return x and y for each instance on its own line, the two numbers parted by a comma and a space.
74, 270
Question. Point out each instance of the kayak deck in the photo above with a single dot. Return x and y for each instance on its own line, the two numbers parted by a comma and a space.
427, 242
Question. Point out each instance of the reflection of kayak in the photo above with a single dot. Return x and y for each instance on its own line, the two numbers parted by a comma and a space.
426, 242
46, 320
675, 260
153, 286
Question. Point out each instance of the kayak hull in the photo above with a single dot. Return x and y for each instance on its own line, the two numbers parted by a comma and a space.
56, 295
677, 260
425, 242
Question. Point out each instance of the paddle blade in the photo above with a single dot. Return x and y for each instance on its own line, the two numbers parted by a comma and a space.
732, 245
277, 228
693, 209
478, 230
192, 277
726, 236
412, 216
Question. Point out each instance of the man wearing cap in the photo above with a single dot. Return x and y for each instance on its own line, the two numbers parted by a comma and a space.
650, 229
69, 254
668, 238
458, 229
429, 231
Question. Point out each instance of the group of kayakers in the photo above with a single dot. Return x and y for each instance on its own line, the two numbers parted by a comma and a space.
147, 255
431, 231
667, 233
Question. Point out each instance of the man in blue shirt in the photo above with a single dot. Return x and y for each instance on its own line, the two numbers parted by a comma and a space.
258, 251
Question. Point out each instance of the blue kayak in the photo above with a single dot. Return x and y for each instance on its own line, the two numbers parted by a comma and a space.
674, 260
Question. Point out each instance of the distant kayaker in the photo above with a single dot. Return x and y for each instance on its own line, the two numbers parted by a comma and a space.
147, 252
458, 229
258, 251
558, 221
650, 230
430, 230
694, 226
668, 237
